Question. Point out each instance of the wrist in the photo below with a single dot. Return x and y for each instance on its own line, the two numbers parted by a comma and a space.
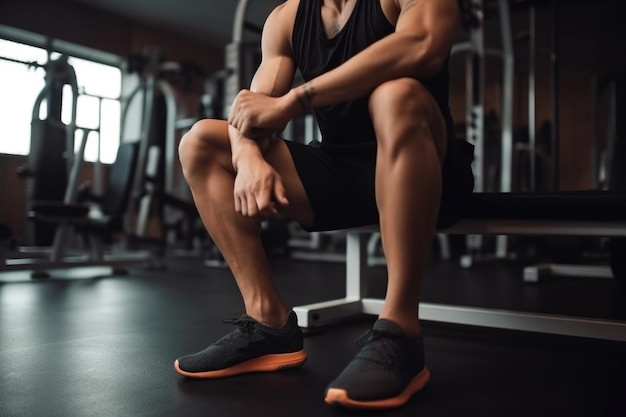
301, 101
243, 152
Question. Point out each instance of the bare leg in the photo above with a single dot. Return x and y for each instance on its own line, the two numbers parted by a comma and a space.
207, 165
411, 145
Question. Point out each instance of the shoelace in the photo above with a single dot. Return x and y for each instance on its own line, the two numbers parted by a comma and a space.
245, 323
373, 335
387, 350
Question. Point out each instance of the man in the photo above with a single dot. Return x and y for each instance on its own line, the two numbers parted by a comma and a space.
377, 81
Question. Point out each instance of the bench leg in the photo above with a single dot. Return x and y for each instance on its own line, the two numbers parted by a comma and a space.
320, 314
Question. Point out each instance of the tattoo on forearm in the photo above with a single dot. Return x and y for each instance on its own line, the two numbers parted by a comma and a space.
306, 99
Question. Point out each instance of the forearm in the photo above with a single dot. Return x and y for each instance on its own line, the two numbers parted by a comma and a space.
243, 147
258, 145
395, 56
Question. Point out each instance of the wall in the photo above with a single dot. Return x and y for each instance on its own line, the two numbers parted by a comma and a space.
83, 25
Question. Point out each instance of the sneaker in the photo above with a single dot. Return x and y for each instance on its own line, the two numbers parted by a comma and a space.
387, 371
251, 347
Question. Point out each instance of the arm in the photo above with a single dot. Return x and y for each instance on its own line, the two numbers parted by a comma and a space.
274, 78
425, 32
258, 189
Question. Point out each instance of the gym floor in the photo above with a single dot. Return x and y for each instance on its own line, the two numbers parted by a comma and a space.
104, 345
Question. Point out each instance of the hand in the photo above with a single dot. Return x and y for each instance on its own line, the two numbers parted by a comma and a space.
259, 190
255, 115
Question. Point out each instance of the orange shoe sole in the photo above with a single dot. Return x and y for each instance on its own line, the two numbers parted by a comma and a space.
339, 397
266, 363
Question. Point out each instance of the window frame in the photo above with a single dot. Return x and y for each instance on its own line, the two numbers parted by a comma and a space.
72, 50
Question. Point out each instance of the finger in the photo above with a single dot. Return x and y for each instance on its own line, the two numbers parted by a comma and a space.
244, 127
243, 202
253, 210
233, 120
233, 110
280, 193
243, 207
264, 201
237, 203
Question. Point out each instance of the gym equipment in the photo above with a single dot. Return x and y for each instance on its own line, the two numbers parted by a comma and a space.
617, 250
157, 192
617, 171
96, 222
243, 55
5, 241
610, 175
47, 169
69, 217
558, 214
476, 54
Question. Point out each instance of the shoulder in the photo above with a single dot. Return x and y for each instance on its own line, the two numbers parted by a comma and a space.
282, 19
284, 14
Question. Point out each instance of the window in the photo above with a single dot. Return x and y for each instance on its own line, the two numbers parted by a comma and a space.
19, 88
98, 101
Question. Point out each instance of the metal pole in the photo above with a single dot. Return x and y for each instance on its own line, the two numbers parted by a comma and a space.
596, 174
18, 61
58, 245
475, 127
555, 96
72, 186
508, 80
507, 97
97, 165
475, 83
170, 135
611, 142
240, 21
532, 97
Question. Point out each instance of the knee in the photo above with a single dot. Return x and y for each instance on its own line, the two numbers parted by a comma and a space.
202, 146
399, 108
399, 98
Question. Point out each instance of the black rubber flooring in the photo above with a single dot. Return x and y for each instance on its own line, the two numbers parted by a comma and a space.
104, 346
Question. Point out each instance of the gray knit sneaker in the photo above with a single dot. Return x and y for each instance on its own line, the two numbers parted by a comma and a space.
387, 371
251, 347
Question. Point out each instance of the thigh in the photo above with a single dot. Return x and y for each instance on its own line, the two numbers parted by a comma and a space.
299, 209
208, 143
405, 104
339, 183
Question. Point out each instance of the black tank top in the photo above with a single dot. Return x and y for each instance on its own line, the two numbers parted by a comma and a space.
315, 54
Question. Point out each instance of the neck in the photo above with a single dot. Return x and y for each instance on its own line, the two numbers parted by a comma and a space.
338, 5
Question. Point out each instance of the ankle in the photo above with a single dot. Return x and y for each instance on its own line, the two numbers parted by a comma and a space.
273, 317
411, 326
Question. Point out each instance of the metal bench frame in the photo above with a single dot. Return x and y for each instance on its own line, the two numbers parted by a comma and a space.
355, 302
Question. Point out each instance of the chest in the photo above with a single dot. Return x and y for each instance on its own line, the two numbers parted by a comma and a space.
334, 18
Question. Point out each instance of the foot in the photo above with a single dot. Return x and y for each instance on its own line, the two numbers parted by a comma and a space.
387, 371
251, 347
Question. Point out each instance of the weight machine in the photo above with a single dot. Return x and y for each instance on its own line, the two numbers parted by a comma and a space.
59, 170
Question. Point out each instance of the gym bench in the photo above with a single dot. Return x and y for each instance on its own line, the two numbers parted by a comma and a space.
97, 222
600, 214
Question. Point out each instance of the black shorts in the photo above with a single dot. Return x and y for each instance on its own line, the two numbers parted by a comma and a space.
339, 182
